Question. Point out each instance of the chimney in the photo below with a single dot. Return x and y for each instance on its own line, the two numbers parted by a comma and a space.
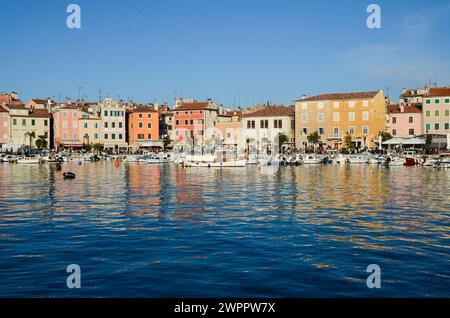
156, 106
402, 108
304, 96
404, 90
14, 95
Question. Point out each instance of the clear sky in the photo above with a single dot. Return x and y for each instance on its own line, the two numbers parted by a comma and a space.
229, 50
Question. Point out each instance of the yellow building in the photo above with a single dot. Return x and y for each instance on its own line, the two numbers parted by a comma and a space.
27, 125
360, 114
88, 128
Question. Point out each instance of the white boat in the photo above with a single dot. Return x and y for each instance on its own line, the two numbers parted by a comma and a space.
8, 158
218, 159
397, 161
376, 160
311, 160
28, 160
131, 158
429, 162
442, 163
225, 164
358, 160
252, 160
156, 160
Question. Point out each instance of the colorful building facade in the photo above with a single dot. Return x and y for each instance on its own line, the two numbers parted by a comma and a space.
404, 121
192, 121
28, 124
361, 114
65, 127
4, 126
88, 127
436, 111
143, 126
113, 127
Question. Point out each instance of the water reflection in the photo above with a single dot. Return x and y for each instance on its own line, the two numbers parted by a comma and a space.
293, 231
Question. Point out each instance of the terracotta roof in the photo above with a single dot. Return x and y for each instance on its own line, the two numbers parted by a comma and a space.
409, 93
3, 110
8, 99
40, 113
194, 106
19, 107
438, 92
40, 101
142, 109
340, 96
395, 109
272, 111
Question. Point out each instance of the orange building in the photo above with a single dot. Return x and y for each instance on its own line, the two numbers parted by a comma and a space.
143, 126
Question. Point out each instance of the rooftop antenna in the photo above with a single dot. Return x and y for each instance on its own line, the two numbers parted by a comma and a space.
181, 93
435, 82
79, 92
99, 95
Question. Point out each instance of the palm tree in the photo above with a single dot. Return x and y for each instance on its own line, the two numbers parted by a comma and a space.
41, 142
30, 135
314, 138
98, 148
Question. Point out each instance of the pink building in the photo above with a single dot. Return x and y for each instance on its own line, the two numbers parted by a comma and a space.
4, 126
65, 125
405, 121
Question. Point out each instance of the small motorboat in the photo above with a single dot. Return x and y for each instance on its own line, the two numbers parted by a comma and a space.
358, 160
311, 160
69, 175
28, 160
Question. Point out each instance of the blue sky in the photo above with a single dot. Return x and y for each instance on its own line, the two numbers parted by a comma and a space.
229, 50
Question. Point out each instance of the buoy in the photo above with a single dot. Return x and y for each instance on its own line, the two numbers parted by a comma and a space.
117, 162
69, 175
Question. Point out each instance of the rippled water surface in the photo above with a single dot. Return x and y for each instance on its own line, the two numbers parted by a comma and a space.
164, 231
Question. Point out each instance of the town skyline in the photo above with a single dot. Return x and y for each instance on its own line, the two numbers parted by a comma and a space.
224, 51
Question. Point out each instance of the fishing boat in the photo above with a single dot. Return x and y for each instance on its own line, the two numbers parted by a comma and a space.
311, 160
357, 160
28, 160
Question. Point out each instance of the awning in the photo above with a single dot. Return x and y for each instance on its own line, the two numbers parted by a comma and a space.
72, 145
151, 143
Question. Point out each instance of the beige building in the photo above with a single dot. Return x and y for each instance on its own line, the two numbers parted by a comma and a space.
25, 121
261, 128
361, 114
230, 126
89, 127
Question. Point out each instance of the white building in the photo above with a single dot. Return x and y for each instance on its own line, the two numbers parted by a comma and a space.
113, 127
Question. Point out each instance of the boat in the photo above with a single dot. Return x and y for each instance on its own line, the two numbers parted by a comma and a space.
8, 158
131, 158
311, 160
358, 160
396, 162
429, 162
252, 160
442, 163
376, 160
156, 160
217, 159
69, 175
28, 160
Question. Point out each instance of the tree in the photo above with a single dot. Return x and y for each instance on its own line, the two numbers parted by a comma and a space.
98, 148
282, 139
41, 142
30, 135
314, 138
428, 143
385, 136
348, 141
167, 141
87, 147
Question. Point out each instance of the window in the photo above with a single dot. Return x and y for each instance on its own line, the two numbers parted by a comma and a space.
113, 125
74, 125
436, 113
253, 124
64, 114
140, 125
428, 101
33, 122
95, 136
149, 136
24, 122
177, 122
111, 113
140, 115
131, 125
447, 101
394, 120
149, 115
351, 104
85, 125
366, 103
351, 116
365, 130
64, 124
321, 131
64, 136
437, 101
304, 118
320, 105
85, 136
335, 116
120, 124
447, 112
446, 126
428, 113
366, 116
200, 132
411, 132
106, 136
96, 125
428, 127
336, 131
186, 122
105, 113
304, 106
320, 117
305, 131
263, 124
351, 130
394, 132
191, 122
106, 125
75, 136
113, 136
436, 126
149, 125
45, 122
411, 120
280, 124
140, 136
336, 105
